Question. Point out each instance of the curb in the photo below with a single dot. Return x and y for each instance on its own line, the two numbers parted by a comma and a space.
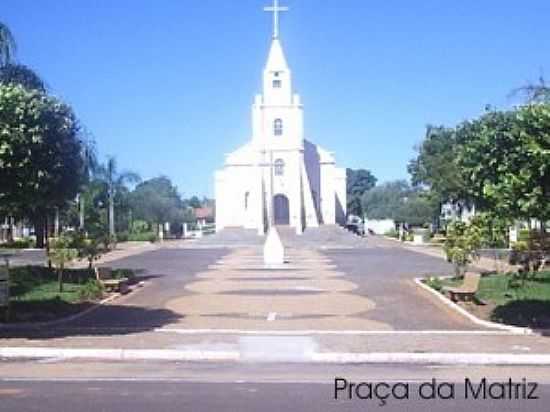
319, 358
515, 330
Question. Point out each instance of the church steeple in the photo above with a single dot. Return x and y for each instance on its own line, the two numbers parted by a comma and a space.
276, 60
277, 77
277, 112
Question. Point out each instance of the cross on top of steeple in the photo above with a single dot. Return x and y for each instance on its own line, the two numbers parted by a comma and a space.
275, 9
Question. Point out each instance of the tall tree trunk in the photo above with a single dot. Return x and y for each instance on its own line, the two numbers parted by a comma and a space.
56, 223
60, 278
47, 240
111, 216
10, 236
81, 211
39, 231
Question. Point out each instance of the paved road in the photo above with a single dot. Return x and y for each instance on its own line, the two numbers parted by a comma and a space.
172, 386
385, 275
369, 288
238, 397
21, 257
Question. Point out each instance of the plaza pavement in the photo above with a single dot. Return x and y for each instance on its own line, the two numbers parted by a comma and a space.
341, 294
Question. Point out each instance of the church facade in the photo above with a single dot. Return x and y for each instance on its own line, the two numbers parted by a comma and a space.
279, 177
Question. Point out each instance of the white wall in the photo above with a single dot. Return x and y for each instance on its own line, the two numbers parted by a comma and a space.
379, 226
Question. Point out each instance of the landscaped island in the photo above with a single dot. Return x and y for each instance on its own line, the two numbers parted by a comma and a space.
35, 295
507, 298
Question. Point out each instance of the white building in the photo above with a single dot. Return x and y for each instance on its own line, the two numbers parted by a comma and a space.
279, 177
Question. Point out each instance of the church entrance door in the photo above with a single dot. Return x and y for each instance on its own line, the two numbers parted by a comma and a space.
282, 213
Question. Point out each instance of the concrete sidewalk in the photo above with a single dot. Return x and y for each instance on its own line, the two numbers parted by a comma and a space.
270, 343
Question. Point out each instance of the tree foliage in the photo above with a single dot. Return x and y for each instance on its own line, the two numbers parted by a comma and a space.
157, 201
538, 92
40, 152
418, 209
435, 166
22, 75
462, 244
358, 182
114, 182
505, 161
61, 253
385, 201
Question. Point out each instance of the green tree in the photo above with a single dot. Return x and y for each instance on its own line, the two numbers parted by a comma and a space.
40, 154
115, 182
505, 160
7, 45
194, 202
435, 166
418, 209
23, 75
61, 253
385, 201
157, 201
358, 182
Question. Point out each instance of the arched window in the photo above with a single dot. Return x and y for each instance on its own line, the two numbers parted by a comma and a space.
278, 127
279, 167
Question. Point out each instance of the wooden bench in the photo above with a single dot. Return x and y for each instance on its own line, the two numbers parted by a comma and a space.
467, 290
104, 276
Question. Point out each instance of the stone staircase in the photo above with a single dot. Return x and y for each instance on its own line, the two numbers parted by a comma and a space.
322, 237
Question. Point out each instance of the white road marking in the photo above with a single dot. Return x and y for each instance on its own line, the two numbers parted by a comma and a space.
331, 332
315, 357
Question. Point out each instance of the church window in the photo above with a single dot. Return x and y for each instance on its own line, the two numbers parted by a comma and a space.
279, 167
276, 84
278, 127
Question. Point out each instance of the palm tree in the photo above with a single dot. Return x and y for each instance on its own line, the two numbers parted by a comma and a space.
114, 181
7, 45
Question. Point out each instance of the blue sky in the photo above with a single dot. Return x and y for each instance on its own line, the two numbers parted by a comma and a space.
166, 86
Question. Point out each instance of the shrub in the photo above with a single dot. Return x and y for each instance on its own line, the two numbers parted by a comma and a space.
90, 249
24, 243
530, 254
142, 237
435, 283
462, 245
122, 237
392, 233
92, 290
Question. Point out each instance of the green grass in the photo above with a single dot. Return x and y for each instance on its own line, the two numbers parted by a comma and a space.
35, 296
515, 302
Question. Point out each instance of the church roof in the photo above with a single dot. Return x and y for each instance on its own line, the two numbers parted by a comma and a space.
276, 60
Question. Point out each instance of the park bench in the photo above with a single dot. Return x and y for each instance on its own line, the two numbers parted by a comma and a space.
467, 290
104, 276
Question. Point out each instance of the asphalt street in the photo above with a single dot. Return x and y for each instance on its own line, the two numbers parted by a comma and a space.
168, 396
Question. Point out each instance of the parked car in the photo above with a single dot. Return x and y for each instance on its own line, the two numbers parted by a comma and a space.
355, 225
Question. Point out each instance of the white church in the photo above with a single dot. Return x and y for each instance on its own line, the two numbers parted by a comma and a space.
279, 177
